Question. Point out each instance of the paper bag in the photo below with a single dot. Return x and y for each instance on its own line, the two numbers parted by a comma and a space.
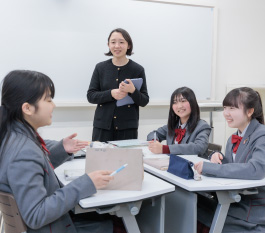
130, 178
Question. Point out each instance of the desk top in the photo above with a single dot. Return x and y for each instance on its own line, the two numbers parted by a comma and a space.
152, 186
207, 183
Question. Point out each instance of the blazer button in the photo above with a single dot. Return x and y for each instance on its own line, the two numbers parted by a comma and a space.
116, 127
129, 106
115, 117
117, 79
100, 105
118, 68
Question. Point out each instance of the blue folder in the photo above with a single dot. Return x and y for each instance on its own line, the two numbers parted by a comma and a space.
137, 82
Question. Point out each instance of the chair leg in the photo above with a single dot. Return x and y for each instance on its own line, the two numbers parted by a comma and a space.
1, 224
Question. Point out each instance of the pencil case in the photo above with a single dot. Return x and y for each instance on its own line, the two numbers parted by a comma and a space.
180, 167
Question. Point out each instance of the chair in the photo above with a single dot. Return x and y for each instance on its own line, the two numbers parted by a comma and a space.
11, 219
1, 223
213, 147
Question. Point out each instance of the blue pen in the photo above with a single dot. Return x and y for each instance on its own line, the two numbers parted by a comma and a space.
119, 169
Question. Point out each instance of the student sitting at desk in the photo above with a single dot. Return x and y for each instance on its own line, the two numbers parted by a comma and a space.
244, 158
185, 132
27, 162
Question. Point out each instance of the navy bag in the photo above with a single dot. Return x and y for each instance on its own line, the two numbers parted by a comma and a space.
180, 167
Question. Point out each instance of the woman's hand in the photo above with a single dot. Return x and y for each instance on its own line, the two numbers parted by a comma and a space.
117, 94
155, 147
100, 178
198, 167
217, 158
127, 87
72, 145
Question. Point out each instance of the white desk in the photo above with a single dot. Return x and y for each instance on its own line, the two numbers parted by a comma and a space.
126, 204
184, 198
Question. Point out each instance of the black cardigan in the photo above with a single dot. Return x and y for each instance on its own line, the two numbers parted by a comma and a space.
106, 77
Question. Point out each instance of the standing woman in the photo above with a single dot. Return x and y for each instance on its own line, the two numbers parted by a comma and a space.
244, 158
107, 86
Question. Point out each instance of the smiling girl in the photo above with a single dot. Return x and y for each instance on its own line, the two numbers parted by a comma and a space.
244, 158
27, 162
107, 86
185, 132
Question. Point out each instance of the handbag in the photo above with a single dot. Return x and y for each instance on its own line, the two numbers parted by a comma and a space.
180, 167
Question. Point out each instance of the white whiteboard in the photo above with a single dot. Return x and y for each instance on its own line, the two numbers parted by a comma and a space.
65, 39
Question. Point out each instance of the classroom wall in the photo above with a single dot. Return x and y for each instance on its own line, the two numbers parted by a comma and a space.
240, 56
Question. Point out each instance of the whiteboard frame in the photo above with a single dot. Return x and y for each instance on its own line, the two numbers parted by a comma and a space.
197, 3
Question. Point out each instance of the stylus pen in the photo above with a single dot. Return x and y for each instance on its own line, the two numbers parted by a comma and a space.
154, 136
119, 169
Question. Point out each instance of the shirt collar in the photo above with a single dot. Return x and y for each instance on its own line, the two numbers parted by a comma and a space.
182, 126
244, 131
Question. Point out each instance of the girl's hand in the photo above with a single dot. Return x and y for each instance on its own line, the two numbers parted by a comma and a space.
198, 167
72, 145
128, 88
100, 178
117, 94
217, 158
155, 147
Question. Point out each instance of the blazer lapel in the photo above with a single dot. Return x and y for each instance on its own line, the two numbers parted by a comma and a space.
243, 147
229, 149
186, 137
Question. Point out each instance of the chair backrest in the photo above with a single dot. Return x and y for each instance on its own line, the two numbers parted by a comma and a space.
13, 223
213, 147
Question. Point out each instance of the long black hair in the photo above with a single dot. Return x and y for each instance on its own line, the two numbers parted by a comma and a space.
126, 36
19, 87
248, 98
173, 119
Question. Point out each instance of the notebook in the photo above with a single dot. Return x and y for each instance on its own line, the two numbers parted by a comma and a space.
137, 82
129, 143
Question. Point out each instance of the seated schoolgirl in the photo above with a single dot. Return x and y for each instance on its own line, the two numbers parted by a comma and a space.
244, 158
185, 132
27, 162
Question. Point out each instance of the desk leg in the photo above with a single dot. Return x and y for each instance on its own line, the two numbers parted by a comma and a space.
224, 202
127, 212
152, 215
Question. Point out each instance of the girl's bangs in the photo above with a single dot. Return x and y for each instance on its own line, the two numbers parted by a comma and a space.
232, 99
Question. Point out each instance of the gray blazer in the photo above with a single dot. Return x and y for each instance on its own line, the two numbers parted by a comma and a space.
195, 143
26, 173
249, 164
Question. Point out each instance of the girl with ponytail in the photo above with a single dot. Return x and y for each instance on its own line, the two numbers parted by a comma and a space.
244, 158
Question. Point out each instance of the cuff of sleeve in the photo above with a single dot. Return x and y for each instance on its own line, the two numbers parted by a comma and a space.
210, 155
166, 149
134, 93
111, 97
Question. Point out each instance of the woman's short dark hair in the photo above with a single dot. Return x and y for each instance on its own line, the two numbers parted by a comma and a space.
173, 119
127, 37
19, 87
248, 98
